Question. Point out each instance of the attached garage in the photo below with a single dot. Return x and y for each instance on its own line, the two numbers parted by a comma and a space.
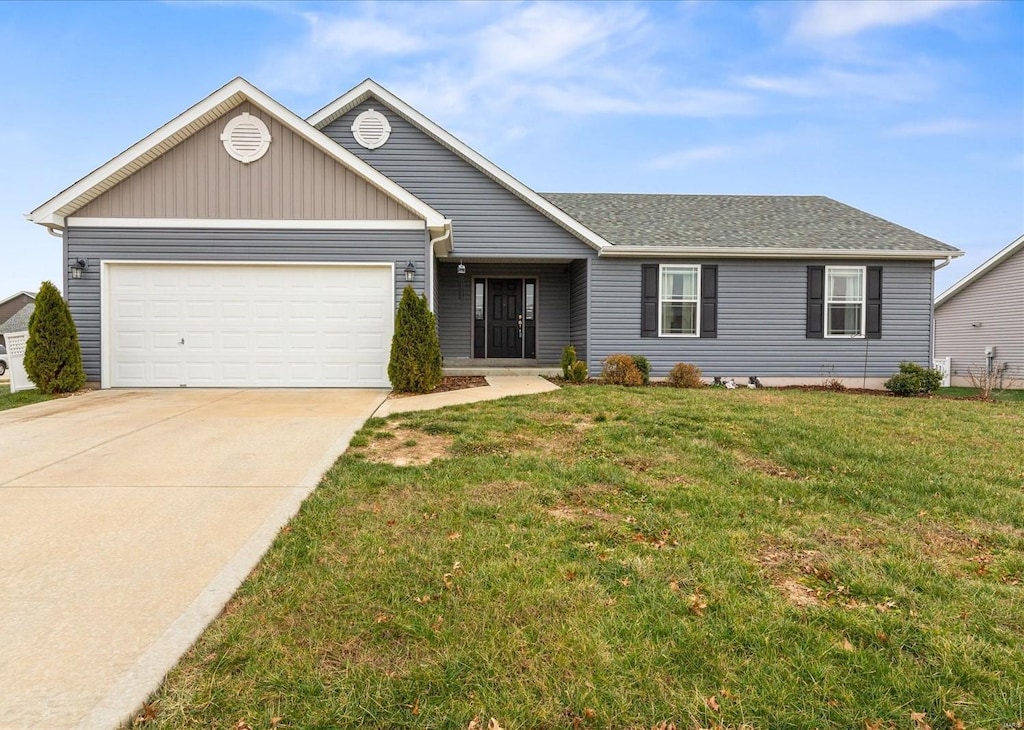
244, 324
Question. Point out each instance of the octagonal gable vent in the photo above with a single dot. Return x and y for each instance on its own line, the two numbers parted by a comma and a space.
246, 138
371, 129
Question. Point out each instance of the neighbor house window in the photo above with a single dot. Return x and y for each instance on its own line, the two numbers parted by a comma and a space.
678, 297
844, 301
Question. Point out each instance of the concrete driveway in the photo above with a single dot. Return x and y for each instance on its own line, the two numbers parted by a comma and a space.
128, 519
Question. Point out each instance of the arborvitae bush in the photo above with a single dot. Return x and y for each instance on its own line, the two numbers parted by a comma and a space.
685, 375
53, 358
621, 370
415, 365
568, 359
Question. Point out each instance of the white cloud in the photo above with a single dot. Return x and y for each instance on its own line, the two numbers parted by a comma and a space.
907, 83
934, 127
688, 157
829, 19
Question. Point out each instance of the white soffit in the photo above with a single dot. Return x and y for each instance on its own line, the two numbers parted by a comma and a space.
371, 88
52, 212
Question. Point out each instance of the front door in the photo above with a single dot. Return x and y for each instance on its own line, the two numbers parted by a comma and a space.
505, 318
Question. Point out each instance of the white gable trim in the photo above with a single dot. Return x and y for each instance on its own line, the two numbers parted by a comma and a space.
53, 212
979, 272
369, 88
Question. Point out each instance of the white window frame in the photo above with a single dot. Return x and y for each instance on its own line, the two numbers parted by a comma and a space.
862, 270
661, 299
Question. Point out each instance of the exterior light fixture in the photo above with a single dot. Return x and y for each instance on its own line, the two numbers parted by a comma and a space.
461, 269
77, 268
410, 271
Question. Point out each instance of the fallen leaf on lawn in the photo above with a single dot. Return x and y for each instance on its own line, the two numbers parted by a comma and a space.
474, 724
958, 724
453, 536
456, 567
920, 721
846, 645
416, 706
209, 658
436, 626
493, 725
876, 725
726, 693
712, 702
625, 581
663, 725
421, 601
589, 713
697, 604
275, 721
673, 586
381, 618
242, 725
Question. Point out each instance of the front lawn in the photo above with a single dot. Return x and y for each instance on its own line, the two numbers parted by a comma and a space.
21, 398
1006, 395
610, 558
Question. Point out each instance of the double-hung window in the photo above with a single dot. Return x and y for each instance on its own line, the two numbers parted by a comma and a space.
678, 301
844, 301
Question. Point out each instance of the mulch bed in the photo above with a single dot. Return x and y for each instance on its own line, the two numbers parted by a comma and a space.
451, 382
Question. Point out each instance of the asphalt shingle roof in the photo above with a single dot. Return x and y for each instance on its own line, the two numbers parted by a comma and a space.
739, 221
18, 322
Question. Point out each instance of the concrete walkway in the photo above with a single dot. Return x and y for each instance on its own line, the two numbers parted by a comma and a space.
127, 521
499, 386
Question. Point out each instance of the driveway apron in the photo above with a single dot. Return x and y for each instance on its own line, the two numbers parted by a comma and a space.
129, 518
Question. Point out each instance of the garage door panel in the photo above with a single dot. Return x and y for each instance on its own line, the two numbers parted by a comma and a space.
249, 325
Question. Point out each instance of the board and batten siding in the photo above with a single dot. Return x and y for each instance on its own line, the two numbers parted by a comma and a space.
762, 308
455, 311
488, 219
198, 179
242, 245
578, 303
988, 312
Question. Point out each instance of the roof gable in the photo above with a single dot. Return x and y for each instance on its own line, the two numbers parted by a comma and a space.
1005, 255
371, 89
53, 212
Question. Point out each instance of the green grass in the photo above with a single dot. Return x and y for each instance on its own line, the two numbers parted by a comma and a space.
1006, 395
21, 398
602, 557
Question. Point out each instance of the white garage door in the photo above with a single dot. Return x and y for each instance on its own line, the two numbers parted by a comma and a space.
247, 325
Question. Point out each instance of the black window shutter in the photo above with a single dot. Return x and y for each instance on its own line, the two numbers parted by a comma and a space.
709, 301
815, 302
649, 300
874, 302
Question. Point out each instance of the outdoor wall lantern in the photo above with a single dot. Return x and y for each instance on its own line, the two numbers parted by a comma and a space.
77, 268
410, 271
461, 269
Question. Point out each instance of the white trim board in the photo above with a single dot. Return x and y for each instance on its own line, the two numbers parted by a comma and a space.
52, 213
351, 225
369, 88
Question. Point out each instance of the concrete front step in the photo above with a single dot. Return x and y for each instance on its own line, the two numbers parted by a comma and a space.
492, 370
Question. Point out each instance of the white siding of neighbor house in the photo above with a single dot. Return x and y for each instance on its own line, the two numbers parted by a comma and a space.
987, 312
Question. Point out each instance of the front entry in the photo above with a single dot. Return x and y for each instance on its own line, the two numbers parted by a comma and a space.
505, 318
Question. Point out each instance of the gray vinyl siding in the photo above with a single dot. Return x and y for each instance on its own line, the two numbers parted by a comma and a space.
455, 313
578, 303
488, 220
164, 244
996, 301
761, 322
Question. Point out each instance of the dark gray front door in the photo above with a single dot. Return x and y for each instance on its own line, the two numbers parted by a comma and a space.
505, 318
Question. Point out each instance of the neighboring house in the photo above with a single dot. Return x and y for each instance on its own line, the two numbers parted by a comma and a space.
982, 315
15, 311
240, 245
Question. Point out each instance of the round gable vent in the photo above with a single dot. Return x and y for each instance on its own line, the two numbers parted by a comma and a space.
371, 129
246, 138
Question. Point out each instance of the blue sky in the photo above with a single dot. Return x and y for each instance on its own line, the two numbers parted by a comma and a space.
913, 111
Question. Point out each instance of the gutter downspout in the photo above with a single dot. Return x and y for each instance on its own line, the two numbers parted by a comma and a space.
430, 262
931, 323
